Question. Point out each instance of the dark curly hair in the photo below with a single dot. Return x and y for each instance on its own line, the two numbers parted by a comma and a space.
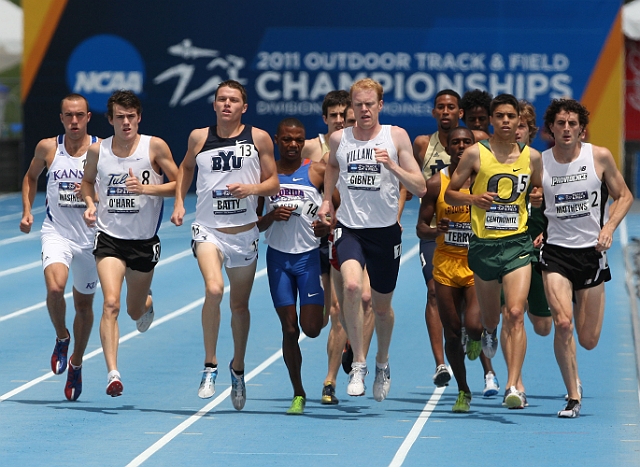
475, 98
568, 105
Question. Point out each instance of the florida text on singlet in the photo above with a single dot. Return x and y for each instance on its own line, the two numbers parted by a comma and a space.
221, 162
123, 214
576, 205
296, 191
508, 213
65, 205
368, 191
455, 242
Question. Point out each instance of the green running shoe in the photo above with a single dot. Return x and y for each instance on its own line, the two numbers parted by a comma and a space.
473, 349
297, 406
463, 403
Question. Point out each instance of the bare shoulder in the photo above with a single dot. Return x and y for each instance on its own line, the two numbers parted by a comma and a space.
535, 154
262, 140
336, 136
601, 153
45, 146
157, 144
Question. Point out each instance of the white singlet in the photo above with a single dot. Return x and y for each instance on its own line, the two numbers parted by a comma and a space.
123, 214
369, 192
575, 198
64, 204
296, 234
222, 162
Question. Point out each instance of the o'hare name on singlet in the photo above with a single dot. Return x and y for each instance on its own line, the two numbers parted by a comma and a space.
120, 200
225, 203
572, 205
502, 217
68, 196
458, 234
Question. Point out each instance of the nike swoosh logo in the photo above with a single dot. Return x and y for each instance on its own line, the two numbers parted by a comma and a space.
378, 144
296, 179
523, 257
312, 294
241, 141
515, 170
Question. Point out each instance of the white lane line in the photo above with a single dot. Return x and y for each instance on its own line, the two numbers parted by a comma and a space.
68, 295
24, 267
411, 438
18, 215
155, 447
34, 235
90, 355
8, 196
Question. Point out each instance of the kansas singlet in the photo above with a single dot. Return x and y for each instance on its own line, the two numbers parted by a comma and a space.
508, 214
576, 205
65, 207
122, 214
369, 191
221, 162
455, 242
296, 234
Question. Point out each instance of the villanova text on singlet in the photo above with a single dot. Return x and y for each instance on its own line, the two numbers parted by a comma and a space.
508, 213
121, 213
575, 198
222, 162
455, 242
296, 191
368, 190
65, 205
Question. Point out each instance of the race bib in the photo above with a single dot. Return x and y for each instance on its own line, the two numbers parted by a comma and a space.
458, 234
502, 217
224, 203
572, 205
363, 177
120, 200
67, 196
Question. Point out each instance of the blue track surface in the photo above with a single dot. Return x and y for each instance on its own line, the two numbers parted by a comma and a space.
159, 420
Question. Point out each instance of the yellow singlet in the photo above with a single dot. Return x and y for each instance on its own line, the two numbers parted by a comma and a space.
456, 241
508, 214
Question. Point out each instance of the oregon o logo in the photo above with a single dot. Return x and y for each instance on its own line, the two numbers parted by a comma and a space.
103, 64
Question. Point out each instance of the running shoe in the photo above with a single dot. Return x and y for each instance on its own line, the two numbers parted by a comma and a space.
114, 386
238, 389
490, 343
463, 402
145, 320
572, 410
513, 399
59, 355
473, 349
442, 376
356, 385
297, 406
329, 395
566, 396
382, 383
491, 385
73, 388
208, 384
347, 358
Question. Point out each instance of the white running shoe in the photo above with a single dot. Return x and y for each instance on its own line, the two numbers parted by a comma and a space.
208, 384
514, 399
238, 389
144, 322
491, 385
572, 410
442, 376
382, 383
489, 343
356, 385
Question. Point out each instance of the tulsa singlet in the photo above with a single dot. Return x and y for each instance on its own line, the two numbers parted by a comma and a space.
122, 214
369, 191
221, 162
64, 206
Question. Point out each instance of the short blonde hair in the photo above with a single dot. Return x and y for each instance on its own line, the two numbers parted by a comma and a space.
528, 113
366, 84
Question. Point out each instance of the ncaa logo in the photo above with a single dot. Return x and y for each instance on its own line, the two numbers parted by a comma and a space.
103, 64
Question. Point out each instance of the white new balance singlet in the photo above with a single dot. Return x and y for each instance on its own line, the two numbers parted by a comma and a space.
368, 191
575, 199
296, 234
123, 214
65, 206
221, 162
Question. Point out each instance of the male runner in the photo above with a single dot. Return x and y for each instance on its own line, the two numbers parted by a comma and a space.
131, 170
453, 278
66, 240
578, 179
367, 162
293, 255
334, 106
475, 105
235, 165
500, 251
